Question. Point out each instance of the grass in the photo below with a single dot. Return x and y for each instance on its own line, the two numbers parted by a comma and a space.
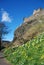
31, 53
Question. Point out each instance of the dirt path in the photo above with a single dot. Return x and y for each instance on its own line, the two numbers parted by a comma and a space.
3, 61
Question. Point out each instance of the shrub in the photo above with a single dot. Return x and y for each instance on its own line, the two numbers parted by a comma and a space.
31, 53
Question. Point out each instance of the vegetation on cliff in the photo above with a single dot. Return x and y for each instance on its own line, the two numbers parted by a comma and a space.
31, 53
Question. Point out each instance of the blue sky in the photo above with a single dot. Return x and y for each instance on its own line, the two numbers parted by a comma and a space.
13, 11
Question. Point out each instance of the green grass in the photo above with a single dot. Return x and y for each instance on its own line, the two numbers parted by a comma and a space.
31, 53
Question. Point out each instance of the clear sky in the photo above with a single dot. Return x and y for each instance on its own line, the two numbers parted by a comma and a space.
13, 11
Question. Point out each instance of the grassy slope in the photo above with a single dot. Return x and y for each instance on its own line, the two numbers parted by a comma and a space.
31, 53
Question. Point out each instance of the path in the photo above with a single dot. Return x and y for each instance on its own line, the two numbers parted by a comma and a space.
3, 61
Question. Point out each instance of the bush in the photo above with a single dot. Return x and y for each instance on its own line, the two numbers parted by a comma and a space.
31, 53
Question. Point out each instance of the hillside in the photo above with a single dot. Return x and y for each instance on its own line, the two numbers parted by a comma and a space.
30, 53
28, 43
31, 27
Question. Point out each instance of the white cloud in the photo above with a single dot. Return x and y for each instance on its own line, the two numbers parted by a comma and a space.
5, 17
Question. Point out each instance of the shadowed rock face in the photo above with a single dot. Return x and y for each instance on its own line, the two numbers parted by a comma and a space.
33, 26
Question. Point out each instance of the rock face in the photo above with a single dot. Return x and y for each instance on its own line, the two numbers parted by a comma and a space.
31, 27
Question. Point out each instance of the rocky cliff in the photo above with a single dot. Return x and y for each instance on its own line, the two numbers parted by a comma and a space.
31, 27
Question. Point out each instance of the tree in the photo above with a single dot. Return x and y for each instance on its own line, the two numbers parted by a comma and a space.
3, 31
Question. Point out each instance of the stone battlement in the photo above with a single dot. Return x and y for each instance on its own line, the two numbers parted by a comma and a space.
36, 13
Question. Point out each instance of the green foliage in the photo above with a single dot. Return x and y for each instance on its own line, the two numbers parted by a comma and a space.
31, 53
